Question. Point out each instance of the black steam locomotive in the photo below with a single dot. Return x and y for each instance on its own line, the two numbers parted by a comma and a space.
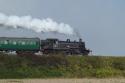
66, 47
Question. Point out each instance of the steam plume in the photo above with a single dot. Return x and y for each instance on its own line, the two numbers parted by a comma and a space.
35, 24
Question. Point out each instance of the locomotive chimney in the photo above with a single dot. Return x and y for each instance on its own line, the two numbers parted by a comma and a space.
68, 40
80, 40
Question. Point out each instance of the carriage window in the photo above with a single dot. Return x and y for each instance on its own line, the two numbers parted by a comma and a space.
5, 42
32, 43
14, 43
23, 43
1, 42
19, 42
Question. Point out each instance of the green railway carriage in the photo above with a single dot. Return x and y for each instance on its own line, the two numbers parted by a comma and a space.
19, 44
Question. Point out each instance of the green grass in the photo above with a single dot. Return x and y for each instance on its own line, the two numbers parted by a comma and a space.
61, 66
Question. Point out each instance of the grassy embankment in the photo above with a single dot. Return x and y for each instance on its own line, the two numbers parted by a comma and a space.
61, 67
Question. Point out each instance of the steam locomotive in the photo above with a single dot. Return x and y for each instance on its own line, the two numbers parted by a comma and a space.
48, 46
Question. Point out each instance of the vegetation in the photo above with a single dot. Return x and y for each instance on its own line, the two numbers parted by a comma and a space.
12, 66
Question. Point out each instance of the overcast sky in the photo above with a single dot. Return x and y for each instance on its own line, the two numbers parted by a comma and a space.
101, 23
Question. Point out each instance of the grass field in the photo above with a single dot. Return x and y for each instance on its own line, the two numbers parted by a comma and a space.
28, 67
63, 80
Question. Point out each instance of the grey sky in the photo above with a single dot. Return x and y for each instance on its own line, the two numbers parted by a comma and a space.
100, 22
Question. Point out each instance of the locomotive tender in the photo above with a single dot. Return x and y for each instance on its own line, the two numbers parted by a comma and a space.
48, 46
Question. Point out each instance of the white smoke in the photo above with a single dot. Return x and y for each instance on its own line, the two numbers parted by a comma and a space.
35, 24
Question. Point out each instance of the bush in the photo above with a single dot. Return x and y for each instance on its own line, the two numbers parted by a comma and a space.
104, 73
119, 63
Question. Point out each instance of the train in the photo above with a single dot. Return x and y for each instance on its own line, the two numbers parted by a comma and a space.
47, 46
